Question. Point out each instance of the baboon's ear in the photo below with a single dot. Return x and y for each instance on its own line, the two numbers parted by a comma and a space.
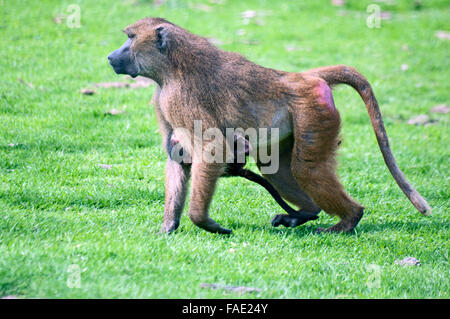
162, 38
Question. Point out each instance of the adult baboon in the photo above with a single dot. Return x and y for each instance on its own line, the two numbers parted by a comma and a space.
197, 81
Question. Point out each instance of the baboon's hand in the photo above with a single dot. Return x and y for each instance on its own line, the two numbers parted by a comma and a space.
168, 228
213, 227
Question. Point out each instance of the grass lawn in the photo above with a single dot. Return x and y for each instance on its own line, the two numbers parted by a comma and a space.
62, 214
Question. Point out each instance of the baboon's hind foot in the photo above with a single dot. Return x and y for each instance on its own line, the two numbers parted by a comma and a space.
344, 226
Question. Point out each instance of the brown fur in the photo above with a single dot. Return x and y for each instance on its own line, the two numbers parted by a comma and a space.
198, 81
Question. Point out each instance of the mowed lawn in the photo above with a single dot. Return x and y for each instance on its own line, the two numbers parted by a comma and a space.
82, 193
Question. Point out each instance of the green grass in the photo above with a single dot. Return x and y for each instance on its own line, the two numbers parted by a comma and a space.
59, 208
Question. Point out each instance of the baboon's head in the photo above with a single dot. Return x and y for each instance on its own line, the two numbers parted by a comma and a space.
143, 51
155, 47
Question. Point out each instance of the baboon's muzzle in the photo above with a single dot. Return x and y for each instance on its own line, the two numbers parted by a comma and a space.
121, 61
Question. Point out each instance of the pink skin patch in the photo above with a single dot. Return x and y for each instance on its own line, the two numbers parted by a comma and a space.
325, 96
174, 140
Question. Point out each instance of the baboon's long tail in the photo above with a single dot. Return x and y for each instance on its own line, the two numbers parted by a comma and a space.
348, 75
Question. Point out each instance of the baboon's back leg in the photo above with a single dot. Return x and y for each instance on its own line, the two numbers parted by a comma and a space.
316, 128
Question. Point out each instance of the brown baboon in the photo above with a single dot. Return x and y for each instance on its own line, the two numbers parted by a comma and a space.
197, 81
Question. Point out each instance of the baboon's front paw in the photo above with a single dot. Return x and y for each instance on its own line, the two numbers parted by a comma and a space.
167, 229
210, 225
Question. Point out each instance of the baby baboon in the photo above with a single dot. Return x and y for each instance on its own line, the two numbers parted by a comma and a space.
197, 81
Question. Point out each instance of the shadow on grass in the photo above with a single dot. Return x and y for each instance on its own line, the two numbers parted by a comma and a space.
364, 228
409, 226
303, 230
55, 144
131, 197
